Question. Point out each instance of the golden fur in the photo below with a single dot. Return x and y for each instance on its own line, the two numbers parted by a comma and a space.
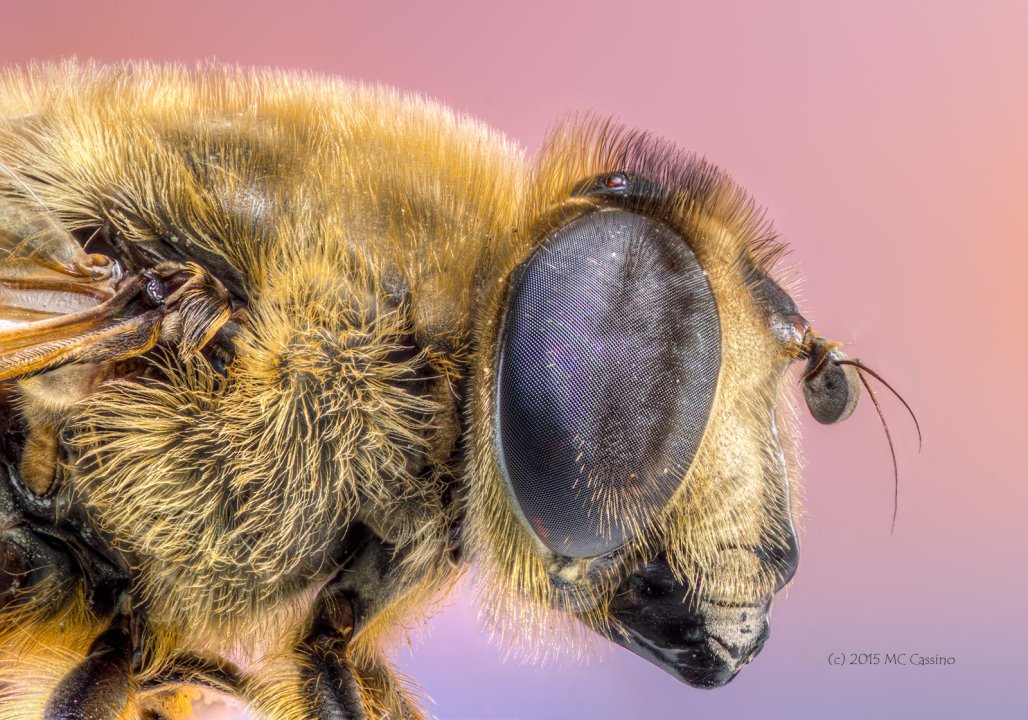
356, 218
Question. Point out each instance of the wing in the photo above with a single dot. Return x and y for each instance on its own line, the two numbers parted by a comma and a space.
60, 305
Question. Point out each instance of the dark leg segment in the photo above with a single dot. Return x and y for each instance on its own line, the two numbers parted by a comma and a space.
369, 579
333, 689
100, 686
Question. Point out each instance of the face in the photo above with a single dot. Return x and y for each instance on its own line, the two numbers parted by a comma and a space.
633, 431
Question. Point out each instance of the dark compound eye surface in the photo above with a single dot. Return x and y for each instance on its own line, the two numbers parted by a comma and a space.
609, 357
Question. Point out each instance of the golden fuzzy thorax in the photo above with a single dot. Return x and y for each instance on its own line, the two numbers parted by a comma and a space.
354, 224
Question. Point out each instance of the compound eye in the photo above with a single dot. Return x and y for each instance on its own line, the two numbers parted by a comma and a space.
609, 357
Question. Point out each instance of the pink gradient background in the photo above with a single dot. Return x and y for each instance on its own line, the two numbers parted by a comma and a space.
889, 141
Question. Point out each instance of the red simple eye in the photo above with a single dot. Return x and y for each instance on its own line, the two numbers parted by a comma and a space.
616, 180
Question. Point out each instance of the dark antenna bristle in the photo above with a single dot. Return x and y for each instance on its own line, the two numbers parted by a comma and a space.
861, 369
861, 366
892, 449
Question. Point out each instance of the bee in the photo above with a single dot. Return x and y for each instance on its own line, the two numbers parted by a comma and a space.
282, 356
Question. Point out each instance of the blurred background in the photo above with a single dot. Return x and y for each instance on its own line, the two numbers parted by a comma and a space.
889, 143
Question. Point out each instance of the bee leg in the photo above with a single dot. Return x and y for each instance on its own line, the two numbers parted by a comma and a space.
382, 688
329, 676
99, 687
183, 670
369, 578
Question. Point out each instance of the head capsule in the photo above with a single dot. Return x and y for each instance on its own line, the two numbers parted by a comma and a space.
626, 397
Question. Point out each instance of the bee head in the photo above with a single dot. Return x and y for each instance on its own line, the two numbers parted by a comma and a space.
628, 423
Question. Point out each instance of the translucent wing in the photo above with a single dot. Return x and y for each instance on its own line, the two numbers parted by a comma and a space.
61, 305
44, 273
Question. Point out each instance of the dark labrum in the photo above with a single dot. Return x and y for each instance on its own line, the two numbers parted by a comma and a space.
609, 357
